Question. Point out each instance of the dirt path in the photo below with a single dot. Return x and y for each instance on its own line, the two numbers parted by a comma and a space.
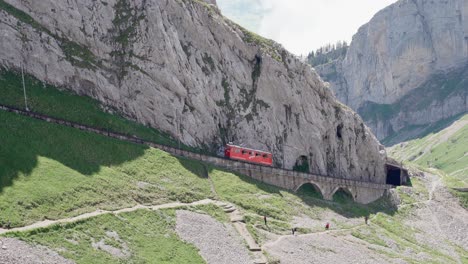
280, 238
48, 223
235, 215
438, 220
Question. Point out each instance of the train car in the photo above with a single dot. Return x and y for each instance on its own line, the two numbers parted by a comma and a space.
249, 155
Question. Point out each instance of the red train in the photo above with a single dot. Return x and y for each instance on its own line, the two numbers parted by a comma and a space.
249, 155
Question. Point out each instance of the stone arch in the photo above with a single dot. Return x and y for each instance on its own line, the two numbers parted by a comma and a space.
311, 186
345, 190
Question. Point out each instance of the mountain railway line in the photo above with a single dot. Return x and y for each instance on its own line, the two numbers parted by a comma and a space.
361, 191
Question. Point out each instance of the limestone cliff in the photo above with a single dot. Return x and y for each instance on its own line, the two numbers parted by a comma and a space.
181, 67
397, 61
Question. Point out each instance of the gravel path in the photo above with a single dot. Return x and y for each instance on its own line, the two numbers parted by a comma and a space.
218, 243
442, 217
322, 248
14, 251
48, 223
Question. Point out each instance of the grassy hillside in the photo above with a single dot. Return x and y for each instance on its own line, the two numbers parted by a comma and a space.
445, 150
49, 100
141, 237
50, 172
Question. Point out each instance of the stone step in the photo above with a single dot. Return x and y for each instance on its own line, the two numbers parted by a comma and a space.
260, 261
229, 210
242, 229
237, 218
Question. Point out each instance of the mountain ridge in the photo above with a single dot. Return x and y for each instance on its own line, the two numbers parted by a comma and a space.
404, 47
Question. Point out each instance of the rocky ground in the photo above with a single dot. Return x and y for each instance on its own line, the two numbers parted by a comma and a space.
14, 251
433, 215
441, 224
217, 243
322, 248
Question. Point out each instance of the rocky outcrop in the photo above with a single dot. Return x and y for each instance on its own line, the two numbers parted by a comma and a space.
181, 67
404, 48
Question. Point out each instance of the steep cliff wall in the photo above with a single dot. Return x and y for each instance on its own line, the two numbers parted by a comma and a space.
181, 67
404, 48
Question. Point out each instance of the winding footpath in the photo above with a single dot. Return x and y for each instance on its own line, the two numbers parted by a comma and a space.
235, 217
48, 223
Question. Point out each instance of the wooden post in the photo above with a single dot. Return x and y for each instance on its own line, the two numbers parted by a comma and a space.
24, 89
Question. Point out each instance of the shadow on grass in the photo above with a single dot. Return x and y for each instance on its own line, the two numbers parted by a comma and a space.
24, 140
342, 204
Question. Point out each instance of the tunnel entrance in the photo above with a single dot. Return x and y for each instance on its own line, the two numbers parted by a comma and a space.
302, 164
393, 176
343, 195
310, 190
396, 175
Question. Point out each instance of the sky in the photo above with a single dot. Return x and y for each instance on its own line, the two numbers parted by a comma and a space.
303, 25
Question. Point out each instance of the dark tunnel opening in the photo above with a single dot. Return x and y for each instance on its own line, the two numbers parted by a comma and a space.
394, 175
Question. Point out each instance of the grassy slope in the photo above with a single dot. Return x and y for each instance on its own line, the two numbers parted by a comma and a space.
63, 104
393, 236
49, 172
280, 206
150, 237
441, 151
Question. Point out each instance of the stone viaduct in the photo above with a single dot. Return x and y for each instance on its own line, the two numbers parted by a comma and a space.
362, 192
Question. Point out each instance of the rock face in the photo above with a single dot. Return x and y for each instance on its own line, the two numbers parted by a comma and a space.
181, 67
405, 47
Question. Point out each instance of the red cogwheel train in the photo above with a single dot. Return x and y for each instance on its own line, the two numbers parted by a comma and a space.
249, 155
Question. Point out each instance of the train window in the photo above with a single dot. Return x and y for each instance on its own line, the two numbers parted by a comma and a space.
250, 153
257, 154
243, 152
237, 150
265, 155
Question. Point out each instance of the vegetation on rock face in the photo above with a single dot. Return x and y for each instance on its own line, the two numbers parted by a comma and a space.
126, 22
77, 54
437, 89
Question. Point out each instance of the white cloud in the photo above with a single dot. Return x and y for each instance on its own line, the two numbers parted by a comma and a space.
305, 25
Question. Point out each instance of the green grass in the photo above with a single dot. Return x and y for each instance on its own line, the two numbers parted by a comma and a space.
280, 206
212, 210
49, 100
50, 172
445, 155
385, 231
149, 236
